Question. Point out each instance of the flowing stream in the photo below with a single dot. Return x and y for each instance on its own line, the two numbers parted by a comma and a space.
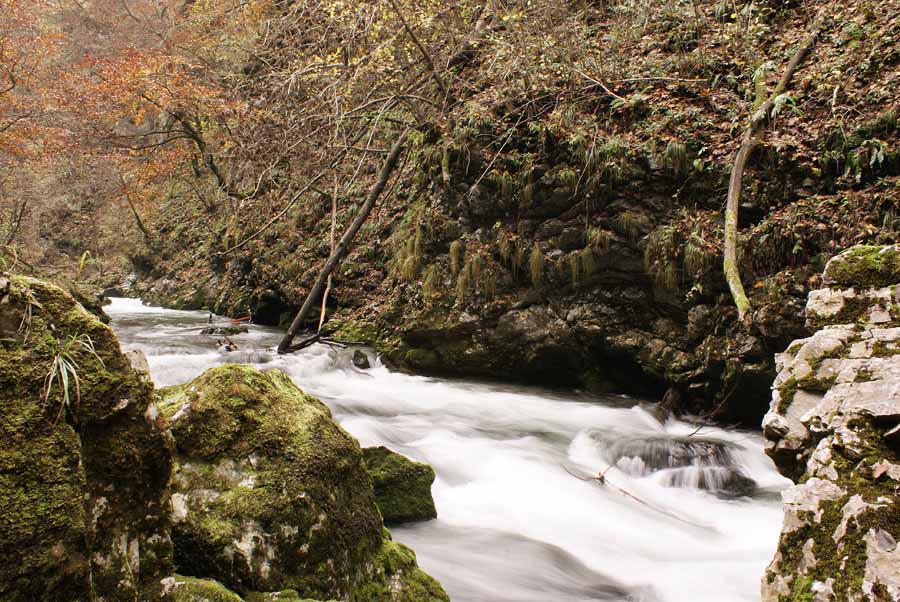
684, 516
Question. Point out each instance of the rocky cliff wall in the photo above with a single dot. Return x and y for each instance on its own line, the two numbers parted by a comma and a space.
834, 427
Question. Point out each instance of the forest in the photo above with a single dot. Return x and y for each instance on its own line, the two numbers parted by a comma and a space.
583, 299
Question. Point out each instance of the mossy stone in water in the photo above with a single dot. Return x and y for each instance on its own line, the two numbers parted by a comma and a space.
272, 495
402, 487
399, 579
84, 502
865, 266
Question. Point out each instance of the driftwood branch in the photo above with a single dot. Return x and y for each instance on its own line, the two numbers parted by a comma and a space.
758, 120
343, 246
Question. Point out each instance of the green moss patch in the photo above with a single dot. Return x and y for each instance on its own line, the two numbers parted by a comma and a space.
189, 589
865, 266
402, 487
77, 477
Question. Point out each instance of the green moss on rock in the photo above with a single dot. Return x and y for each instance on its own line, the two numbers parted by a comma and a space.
270, 494
402, 487
83, 486
865, 266
399, 579
189, 589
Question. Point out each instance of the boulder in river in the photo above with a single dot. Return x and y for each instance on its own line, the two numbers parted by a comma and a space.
690, 462
270, 494
84, 465
225, 330
402, 486
361, 360
835, 403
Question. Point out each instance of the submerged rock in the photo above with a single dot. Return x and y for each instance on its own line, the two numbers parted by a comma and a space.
690, 462
361, 360
270, 494
835, 403
402, 487
225, 330
84, 500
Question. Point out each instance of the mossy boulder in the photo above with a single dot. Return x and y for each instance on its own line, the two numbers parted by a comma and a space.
270, 494
84, 500
398, 578
865, 266
189, 589
402, 487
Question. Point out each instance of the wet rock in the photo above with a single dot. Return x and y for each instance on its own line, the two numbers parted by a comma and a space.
361, 360
402, 487
835, 410
270, 494
225, 330
84, 499
683, 462
113, 291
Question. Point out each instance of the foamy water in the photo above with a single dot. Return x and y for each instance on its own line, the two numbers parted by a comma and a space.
514, 524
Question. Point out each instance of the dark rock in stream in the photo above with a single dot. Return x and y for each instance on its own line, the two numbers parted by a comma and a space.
361, 360
225, 330
684, 462
402, 486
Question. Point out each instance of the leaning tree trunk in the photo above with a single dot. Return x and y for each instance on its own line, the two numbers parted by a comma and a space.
390, 163
750, 139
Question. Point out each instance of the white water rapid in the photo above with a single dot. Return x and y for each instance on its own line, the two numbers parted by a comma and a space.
685, 517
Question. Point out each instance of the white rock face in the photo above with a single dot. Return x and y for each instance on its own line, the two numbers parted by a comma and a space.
834, 426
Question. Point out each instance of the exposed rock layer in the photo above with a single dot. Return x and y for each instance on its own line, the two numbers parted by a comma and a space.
834, 412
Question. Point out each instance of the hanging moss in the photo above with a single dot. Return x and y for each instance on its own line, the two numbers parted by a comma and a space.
536, 265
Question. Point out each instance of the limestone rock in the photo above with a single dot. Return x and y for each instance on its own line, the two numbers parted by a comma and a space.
84, 499
270, 494
402, 487
834, 414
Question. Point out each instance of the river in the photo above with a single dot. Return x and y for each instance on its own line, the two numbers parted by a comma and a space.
684, 516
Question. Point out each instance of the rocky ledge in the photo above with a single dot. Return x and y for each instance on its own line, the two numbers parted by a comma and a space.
834, 427
258, 497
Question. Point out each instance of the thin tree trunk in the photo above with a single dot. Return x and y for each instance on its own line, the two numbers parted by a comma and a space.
148, 239
15, 221
331, 250
390, 163
750, 139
